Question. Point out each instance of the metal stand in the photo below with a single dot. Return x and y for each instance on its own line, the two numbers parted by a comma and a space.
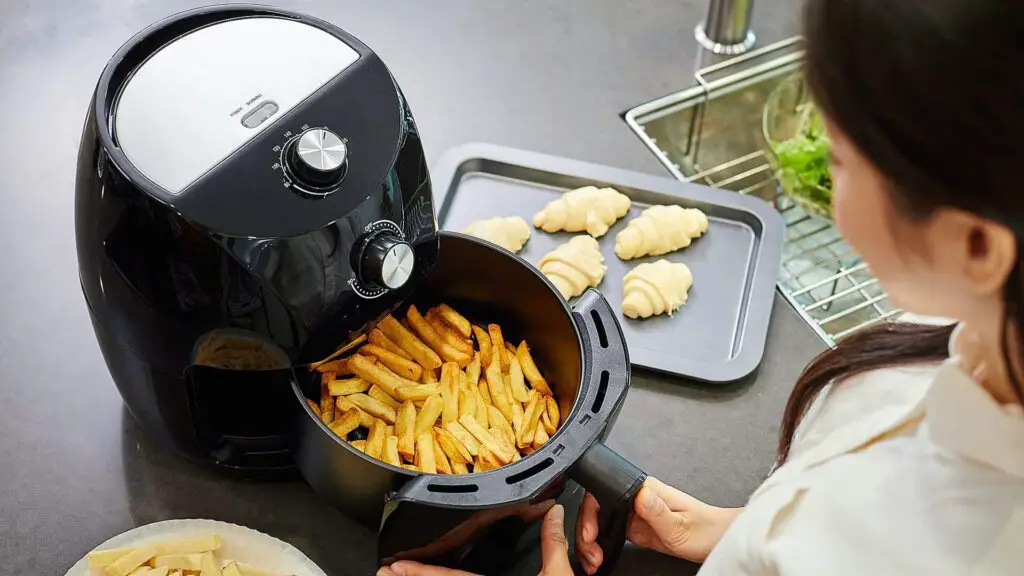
726, 30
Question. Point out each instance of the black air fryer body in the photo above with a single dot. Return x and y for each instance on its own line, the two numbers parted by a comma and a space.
251, 191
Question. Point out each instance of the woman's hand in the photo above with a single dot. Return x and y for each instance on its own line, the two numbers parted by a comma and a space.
554, 550
666, 520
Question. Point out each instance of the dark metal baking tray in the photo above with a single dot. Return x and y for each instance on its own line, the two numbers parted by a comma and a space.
719, 334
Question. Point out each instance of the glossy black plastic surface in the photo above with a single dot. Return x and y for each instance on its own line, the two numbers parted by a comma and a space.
451, 520
160, 279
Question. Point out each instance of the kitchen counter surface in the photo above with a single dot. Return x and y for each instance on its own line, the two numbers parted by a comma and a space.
547, 76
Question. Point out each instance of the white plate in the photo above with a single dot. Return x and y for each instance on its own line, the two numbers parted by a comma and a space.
238, 543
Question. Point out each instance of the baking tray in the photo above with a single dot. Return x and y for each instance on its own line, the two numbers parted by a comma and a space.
719, 334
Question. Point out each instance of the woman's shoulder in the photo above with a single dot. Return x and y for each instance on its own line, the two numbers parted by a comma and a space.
902, 506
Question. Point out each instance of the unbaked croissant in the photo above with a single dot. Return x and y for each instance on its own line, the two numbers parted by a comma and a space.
659, 230
655, 288
574, 266
589, 208
510, 233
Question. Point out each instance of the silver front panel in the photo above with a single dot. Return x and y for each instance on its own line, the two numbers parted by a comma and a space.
188, 107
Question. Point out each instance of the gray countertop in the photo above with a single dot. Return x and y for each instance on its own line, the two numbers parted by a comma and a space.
546, 76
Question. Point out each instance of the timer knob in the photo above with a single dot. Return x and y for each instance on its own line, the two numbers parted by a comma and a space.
318, 158
386, 261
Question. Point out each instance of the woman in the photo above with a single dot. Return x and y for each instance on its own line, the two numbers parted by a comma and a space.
902, 450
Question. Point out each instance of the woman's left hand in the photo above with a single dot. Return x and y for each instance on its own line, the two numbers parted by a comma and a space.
554, 550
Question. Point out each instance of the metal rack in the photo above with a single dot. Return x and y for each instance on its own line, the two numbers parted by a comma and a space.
710, 133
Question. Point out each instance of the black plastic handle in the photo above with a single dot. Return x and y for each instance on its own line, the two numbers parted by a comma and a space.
614, 482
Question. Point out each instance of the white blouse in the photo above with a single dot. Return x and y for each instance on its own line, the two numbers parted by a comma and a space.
902, 471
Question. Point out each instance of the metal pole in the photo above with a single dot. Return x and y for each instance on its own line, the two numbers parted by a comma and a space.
726, 30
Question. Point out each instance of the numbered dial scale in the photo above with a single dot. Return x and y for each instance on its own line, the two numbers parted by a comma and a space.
313, 162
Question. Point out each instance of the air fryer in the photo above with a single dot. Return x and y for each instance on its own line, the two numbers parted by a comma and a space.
251, 191
474, 522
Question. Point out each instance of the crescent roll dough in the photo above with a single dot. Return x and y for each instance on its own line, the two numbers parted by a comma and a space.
655, 288
509, 233
574, 266
589, 208
659, 230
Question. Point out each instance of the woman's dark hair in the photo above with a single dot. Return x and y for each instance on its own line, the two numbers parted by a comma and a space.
930, 91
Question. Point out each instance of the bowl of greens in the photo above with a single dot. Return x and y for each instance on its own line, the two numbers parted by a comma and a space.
797, 147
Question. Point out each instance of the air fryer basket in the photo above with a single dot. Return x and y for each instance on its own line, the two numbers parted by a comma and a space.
439, 518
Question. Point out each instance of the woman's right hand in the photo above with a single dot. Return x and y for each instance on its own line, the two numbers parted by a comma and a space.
666, 520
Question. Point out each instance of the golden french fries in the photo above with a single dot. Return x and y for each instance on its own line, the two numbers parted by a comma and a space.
436, 394
378, 338
347, 386
405, 429
374, 407
408, 341
425, 454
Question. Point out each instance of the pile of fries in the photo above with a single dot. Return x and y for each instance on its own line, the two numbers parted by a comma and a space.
196, 556
437, 394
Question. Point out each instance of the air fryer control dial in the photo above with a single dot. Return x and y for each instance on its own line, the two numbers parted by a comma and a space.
387, 261
317, 158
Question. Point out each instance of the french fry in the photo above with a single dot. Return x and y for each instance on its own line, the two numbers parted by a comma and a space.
103, 558
443, 466
378, 338
484, 391
389, 431
432, 408
540, 437
450, 391
354, 343
399, 365
467, 402
488, 461
380, 375
179, 561
342, 403
487, 440
484, 343
326, 403
359, 445
390, 453
496, 385
419, 392
530, 370
375, 440
161, 571
517, 420
456, 451
495, 418
459, 468
533, 410
425, 454
314, 407
408, 341
338, 367
423, 329
345, 423
482, 411
429, 377
473, 369
528, 450
552, 409
454, 319
511, 350
206, 543
502, 436
498, 343
374, 407
378, 393
450, 336
133, 559
545, 422
210, 565
405, 429
411, 467
347, 386
516, 381
459, 432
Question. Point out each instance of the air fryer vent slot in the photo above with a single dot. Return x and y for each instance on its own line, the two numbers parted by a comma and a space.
532, 471
602, 336
453, 488
602, 389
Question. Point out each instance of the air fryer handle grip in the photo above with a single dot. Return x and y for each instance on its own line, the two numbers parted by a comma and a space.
614, 482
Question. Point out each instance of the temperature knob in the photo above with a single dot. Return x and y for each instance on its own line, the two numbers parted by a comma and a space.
387, 261
318, 158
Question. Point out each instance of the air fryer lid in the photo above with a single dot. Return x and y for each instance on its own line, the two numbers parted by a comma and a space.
201, 107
